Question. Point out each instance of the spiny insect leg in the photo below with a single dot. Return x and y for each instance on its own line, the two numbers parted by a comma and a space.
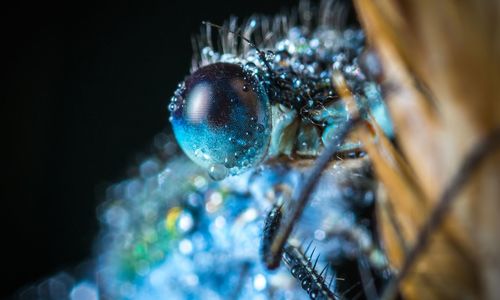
301, 268
271, 226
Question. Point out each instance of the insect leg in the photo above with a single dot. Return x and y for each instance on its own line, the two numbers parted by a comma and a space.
307, 188
301, 268
271, 226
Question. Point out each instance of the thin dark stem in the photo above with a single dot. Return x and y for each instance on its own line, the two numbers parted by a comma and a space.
471, 164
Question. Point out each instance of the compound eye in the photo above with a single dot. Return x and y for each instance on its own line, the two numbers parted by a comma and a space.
221, 119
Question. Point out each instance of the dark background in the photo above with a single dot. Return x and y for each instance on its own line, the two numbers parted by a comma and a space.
86, 88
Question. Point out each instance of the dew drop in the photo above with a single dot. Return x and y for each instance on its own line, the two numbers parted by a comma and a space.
296, 83
217, 172
269, 55
251, 69
172, 106
229, 162
251, 151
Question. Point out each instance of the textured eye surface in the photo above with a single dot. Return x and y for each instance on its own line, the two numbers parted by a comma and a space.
221, 119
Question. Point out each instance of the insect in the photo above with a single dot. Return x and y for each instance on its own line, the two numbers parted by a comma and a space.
265, 116
254, 115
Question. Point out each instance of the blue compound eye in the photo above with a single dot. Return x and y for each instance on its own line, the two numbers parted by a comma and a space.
221, 119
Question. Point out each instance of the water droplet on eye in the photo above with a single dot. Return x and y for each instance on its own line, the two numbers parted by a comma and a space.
217, 172
257, 144
251, 69
229, 162
269, 55
297, 83
172, 106
260, 128
242, 142
245, 88
251, 151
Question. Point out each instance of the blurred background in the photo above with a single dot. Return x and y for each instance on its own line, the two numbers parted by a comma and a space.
87, 87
